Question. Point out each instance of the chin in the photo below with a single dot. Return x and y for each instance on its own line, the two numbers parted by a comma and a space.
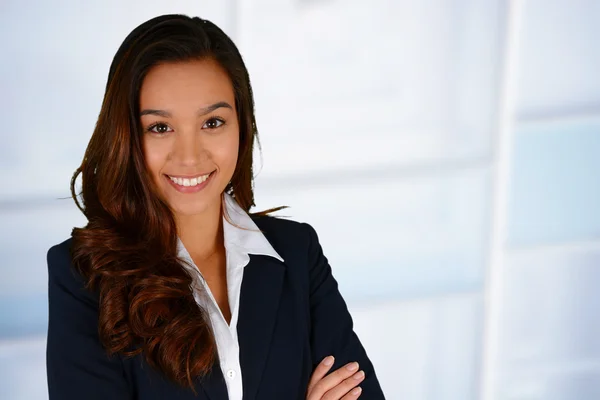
193, 205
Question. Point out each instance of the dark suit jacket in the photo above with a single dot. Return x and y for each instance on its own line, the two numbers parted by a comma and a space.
291, 316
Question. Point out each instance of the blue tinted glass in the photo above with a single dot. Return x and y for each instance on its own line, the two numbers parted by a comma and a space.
27, 235
389, 239
555, 183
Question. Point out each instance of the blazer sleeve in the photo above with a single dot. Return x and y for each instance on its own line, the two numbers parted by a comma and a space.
332, 330
77, 365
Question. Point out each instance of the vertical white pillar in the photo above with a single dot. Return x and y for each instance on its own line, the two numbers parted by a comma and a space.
502, 148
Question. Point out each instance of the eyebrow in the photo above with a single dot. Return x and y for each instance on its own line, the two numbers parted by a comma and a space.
201, 112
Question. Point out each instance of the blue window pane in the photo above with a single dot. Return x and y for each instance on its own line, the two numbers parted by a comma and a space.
23, 247
555, 183
392, 239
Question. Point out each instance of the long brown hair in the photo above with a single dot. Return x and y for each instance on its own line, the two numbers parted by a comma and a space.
127, 250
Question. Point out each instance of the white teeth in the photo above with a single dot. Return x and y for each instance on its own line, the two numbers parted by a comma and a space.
189, 182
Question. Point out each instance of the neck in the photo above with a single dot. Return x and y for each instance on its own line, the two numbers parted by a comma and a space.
202, 234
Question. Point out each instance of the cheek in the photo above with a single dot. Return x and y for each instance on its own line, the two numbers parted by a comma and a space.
228, 152
153, 157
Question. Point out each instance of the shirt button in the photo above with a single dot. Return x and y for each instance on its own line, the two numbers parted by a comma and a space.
231, 374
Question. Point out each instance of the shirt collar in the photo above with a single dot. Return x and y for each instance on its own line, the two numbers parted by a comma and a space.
242, 238
244, 235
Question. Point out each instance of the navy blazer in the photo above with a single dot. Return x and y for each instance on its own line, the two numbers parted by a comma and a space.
291, 316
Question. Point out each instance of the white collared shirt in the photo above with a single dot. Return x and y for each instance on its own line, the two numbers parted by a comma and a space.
239, 244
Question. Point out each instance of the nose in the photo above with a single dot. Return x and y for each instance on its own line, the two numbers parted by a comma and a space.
189, 149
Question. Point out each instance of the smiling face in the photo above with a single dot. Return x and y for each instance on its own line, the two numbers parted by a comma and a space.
191, 133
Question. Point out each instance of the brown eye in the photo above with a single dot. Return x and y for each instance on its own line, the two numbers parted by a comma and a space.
213, 123
159, 128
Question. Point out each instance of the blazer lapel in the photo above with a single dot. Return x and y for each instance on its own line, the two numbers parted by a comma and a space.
259, 301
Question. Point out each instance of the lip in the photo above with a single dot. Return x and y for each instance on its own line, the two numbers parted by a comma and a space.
189, 189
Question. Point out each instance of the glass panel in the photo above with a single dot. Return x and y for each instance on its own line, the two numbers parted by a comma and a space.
24, 284
382, 83
391, 239
555, 190
23, 369
424, 349
559, 57
550, 327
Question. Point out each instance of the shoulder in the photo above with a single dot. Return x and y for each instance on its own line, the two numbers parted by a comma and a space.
59, 258
270, 223
287, 235
60, 254
284, 231
62, 276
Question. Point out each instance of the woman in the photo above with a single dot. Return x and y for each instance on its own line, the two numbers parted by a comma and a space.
171, 275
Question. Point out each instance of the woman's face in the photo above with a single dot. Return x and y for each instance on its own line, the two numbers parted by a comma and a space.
191, 133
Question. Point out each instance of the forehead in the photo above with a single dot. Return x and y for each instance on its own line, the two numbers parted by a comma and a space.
188, 84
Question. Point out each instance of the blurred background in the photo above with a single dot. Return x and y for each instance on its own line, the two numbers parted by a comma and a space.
447, 153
